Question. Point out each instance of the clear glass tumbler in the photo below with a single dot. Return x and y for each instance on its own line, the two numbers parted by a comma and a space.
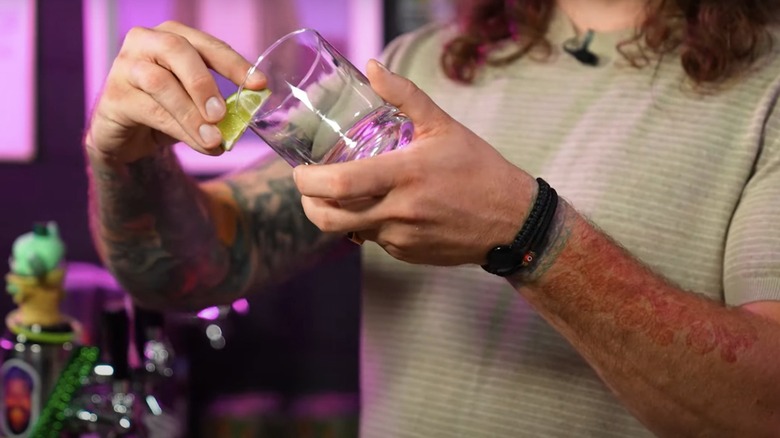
321, 108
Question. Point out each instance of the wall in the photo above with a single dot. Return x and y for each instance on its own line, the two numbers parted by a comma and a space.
308, 328
54, 186
249, 26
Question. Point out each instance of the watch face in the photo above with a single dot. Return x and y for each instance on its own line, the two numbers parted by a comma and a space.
502, 260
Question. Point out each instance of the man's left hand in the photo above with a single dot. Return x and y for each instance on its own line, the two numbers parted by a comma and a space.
444, 199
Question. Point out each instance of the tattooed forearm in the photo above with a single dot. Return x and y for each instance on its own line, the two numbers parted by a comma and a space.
274, 222
171, 241
677, 359
153, 228
649, 308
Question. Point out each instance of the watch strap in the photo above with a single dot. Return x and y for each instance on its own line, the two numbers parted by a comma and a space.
505, 260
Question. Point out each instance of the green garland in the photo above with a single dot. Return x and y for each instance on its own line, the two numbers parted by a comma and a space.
52, 418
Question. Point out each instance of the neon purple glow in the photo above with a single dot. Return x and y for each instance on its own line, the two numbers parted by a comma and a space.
17, 72
209, 313
241, 306
5, 344
353, 26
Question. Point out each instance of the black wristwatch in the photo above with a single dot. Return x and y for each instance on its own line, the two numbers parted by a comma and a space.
505, 260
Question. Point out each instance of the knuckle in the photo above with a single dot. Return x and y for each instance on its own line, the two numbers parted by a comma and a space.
112, 90
191, 117
202, 82
409, 211
149, 80
116, 82
135, 33
172, 41
339, 185
123, 58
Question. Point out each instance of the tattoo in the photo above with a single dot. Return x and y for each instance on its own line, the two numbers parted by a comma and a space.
666, 319
274, 220
595, 279
168, 241
665, 315
154, 229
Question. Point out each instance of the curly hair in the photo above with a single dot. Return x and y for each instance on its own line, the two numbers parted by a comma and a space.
716, 39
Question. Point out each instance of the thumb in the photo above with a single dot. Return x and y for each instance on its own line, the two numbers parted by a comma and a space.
404, 95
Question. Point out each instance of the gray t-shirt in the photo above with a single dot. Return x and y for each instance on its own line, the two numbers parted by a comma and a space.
687, 182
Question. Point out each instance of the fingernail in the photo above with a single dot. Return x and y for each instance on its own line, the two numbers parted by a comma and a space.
210, 134
382, 66
256, 75
215, 108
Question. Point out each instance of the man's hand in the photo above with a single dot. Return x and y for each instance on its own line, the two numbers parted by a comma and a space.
445, 199
160, 91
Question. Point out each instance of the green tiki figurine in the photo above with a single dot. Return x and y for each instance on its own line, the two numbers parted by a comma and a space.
40, 339
36, 283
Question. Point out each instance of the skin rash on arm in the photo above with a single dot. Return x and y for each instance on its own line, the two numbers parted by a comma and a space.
681, 363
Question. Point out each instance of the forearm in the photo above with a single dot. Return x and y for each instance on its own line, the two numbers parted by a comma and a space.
271, 224
154, 230
683, 364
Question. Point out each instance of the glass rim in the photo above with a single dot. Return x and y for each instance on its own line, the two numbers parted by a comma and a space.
281, 40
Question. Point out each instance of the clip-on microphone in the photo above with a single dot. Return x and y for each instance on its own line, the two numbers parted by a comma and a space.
580, 50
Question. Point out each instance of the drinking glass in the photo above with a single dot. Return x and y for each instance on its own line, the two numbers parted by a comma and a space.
321, 108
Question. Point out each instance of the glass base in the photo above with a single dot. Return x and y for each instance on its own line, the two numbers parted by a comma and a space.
383, 130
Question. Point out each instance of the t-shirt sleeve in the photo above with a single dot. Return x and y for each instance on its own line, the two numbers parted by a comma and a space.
752, 257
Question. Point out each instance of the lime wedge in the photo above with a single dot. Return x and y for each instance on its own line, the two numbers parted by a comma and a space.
237, 117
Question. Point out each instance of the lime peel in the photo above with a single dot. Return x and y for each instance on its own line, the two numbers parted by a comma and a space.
239, 114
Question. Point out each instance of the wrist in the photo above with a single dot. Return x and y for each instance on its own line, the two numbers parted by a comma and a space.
522, 252
505, 215
100, 151
555, 241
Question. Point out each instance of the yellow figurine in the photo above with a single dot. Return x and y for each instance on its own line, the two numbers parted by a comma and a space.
36, 284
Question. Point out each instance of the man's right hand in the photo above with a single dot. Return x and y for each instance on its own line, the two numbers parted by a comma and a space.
160, 91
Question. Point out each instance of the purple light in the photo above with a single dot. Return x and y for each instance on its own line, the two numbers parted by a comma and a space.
241, 306
5, 344
209, 313
17, 72
353, 26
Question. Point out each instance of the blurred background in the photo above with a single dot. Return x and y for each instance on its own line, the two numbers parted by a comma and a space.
282, 362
